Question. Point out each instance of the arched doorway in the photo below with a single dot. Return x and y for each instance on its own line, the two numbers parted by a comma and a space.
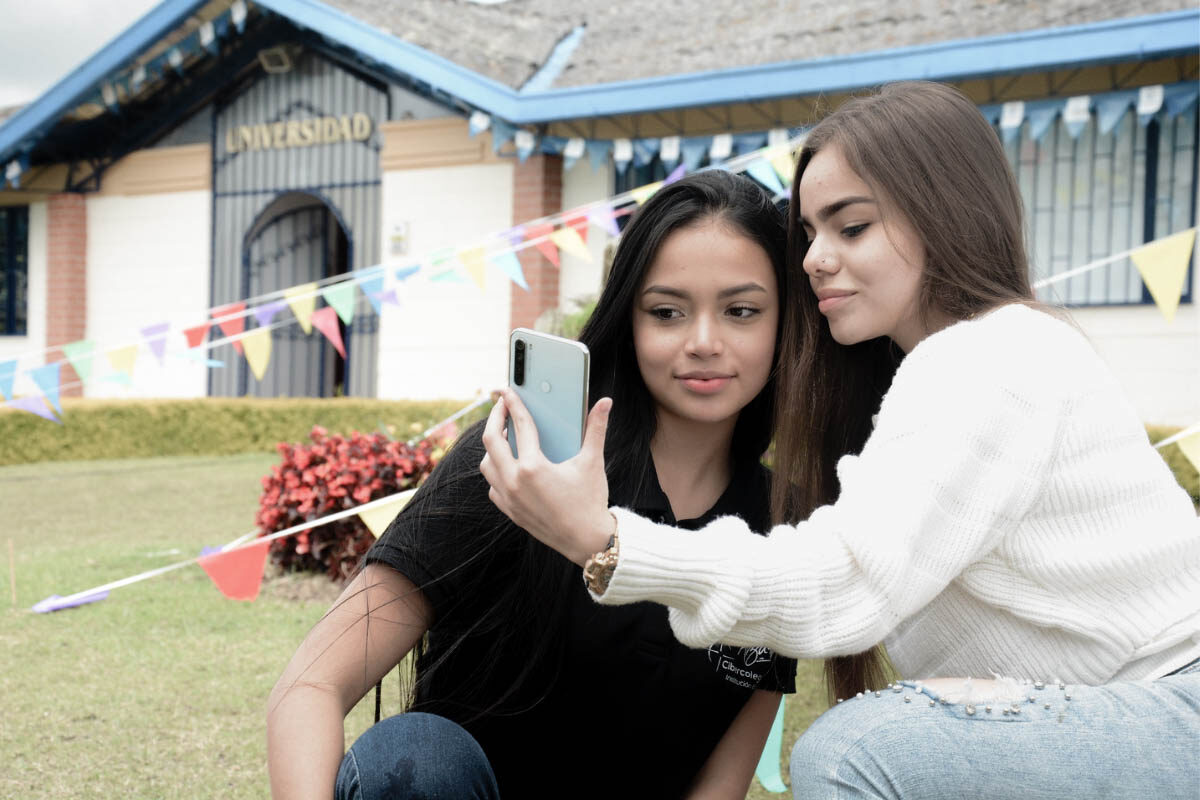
295, 240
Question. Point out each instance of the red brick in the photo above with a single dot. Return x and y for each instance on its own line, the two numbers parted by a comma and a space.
66, 279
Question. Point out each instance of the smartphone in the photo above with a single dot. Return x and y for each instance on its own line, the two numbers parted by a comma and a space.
550, 374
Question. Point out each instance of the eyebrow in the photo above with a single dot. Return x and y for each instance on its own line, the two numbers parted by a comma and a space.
732, 290
833, 208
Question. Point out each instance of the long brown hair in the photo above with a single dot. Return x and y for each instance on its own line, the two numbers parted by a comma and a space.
930, 156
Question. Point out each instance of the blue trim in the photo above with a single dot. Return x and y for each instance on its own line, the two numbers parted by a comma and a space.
40, 115
1134, 38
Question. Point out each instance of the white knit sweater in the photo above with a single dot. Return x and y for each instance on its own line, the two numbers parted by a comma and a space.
1007, 516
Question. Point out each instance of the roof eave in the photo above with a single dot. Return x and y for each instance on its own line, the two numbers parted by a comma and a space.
1112, 41
72, 90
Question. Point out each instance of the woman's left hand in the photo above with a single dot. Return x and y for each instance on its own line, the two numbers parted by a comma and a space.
563, 505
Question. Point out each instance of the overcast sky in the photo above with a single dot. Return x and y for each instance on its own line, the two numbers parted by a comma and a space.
41, 41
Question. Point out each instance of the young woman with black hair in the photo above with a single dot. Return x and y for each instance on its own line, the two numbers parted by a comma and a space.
959, 478
524, 687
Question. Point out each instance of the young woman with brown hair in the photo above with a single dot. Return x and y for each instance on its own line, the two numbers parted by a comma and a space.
975, 494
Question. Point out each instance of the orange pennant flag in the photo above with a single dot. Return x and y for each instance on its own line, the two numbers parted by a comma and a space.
237, 573
197, 334
233, 326
580, 224
546, 246
326, 321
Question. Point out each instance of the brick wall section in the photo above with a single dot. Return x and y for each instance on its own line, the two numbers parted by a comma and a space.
66, 279
537, 191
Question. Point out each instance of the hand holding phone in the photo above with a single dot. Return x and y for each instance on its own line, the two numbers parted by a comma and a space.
550, 374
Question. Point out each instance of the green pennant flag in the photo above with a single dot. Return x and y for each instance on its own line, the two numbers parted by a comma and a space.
80, 355
341, 297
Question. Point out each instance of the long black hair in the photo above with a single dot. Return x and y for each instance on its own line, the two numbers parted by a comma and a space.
509, 598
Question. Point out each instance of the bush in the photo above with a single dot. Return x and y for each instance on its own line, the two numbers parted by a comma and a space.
206, 426
332, 474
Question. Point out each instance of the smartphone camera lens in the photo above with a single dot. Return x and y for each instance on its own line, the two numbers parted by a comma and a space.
519, 364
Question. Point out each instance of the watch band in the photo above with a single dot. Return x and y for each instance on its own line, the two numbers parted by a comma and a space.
598, 570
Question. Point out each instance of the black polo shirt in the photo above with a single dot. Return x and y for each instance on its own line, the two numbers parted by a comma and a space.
628, 710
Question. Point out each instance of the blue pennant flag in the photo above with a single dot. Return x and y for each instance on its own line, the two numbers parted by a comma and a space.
46, 379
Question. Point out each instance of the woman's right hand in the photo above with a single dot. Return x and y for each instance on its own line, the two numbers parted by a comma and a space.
563, 505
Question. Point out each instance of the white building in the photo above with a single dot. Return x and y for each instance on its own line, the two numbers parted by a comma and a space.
222, 152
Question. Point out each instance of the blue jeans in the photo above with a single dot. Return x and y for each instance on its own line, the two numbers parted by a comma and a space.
415, 756
1123, 740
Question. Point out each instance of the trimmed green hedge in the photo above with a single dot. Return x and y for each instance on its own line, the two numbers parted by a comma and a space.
95, 429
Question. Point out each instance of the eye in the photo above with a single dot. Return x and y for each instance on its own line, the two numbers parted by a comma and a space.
852, 231
743, 312
665, 313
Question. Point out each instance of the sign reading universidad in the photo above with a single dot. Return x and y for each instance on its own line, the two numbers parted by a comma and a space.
298, 133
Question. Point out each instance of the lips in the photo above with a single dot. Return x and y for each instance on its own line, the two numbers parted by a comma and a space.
705, 382
831, 299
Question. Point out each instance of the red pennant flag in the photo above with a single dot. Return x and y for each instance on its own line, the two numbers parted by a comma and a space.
326, 321
237, 573
231, 327
547, 247
196, 335
580, 224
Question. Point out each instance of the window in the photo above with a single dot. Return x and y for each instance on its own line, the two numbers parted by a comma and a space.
14, 269
1097, 194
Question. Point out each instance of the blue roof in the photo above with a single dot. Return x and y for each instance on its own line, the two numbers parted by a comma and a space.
1129, 39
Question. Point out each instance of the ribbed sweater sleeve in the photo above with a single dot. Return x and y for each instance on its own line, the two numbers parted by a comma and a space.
963, 440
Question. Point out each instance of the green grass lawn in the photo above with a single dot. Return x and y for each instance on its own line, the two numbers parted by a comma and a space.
158, 691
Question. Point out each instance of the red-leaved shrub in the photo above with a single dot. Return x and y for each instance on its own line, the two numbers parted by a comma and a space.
329, 475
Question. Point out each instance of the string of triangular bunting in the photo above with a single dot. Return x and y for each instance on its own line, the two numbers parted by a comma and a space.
553, 235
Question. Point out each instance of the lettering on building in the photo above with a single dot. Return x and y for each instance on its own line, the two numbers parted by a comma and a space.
298, 133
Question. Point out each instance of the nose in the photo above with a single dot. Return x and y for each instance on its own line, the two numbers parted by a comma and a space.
704, 338
819, 258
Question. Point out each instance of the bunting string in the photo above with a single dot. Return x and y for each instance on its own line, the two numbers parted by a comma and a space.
251, 539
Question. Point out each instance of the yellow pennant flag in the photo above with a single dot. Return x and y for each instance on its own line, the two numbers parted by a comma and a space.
257, 346
379, 517
475, 263
644, 193
1190, 447
303, 301
123, 359
784, 162
1163, 265
569, 241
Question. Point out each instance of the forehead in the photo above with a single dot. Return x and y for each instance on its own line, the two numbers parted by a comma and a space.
709, 253
827, 178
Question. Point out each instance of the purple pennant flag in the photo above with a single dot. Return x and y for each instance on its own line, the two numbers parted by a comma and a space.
603, 217
267, 311
55, 602
676, 174
34, 405
388, 297
156, 337
47, 379
515, 235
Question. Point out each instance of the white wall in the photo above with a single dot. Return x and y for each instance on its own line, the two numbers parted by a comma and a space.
446, 339
30, 350
1158, 364
579, 279
148, 262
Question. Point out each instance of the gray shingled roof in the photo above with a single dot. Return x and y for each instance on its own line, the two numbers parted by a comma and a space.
630, 39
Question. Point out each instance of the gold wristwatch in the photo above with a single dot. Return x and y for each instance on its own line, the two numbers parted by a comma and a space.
598, 570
